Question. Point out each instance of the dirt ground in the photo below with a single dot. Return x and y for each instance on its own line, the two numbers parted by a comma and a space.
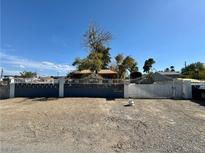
100, 125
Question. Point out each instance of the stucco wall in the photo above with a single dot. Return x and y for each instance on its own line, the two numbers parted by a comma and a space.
172, 89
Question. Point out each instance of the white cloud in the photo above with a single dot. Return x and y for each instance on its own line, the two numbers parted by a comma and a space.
19, 62
21, 66
10, 71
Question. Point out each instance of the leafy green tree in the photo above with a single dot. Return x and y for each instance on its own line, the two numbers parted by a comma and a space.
105, 58
119, 58
95, 39
172, 69
135, 75
124, 64
121, 71
118, 65
167, 70
96, 63
85, 64
194, 71
130, 64
148, 65
28, 74
70, 74
77, 61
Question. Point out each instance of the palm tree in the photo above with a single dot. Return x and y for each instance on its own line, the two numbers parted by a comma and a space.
77, 61
148, 65
119, 59
130, 64
124, 64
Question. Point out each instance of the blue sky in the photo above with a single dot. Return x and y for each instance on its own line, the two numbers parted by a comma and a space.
46, 35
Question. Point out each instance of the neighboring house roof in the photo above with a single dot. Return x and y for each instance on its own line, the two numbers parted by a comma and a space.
169, 73
45, 78
57, 77
159, 76
107, 71
192, 80
93, 76
83, 72
103, 71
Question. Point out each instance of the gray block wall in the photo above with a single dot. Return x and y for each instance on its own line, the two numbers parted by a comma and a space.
94, 90
4, 91
175, 89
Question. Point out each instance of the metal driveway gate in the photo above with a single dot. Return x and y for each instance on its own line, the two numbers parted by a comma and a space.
94, 90
36, 90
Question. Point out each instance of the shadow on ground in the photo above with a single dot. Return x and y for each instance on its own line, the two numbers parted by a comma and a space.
110, 99
200, 102
43, 99
127, 105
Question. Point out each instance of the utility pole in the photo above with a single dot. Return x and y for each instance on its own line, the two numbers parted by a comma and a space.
2, 73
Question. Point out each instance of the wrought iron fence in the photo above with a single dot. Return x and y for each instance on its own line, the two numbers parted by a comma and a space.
80, 81
95, 81
73, 81
34, 81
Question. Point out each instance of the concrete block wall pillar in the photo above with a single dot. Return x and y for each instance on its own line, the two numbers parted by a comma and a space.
12, 88
178, 89
126, 90
61, 87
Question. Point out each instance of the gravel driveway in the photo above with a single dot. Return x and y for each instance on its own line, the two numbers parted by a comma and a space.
100, 125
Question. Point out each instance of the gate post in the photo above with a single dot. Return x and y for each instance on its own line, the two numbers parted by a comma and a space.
12, 88
173, 89
61, 87
126, 90
187, 90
